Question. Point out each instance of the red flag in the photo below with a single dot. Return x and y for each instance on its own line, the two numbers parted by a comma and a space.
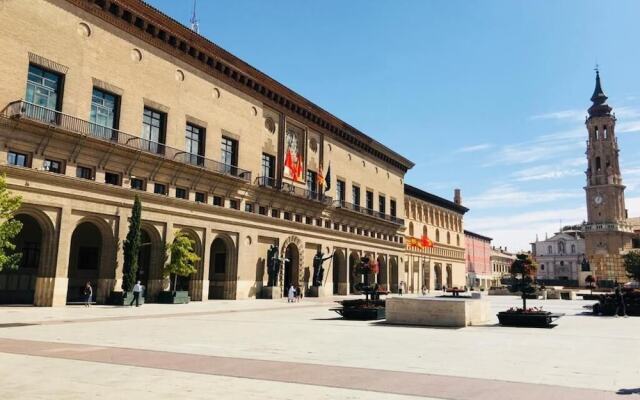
426, 242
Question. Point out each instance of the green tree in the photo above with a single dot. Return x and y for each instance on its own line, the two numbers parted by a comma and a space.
131, 248
183, 258
9, 227
523, 270
632, 265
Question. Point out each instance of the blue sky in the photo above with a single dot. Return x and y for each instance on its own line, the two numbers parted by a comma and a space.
488, 96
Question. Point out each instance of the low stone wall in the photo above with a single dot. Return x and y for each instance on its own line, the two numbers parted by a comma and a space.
437, 311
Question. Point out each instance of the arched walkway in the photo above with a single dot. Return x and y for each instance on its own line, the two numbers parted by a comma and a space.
291, 266
18, 286
222, 269
354, 279
382, 277
339, 273
438, 272
150, 261
449, 276
91, 259
395, 274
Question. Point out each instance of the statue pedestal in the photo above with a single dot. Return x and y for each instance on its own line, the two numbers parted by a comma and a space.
320, 291
271, 292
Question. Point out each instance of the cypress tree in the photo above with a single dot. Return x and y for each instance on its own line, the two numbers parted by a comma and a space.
131, 248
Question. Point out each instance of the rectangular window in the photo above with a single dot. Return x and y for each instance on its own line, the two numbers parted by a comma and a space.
19, 159
369, 202
44, 89
312, 181
84, 172
340, 191
308, 220
112, 178
382, 204
355, 196
160, 188
52, 166
248, 207
194, 144
153, 130
229, 154
298, 218
268, 172
201, 197
182, 193
262, 210
104, 114
287, 215
218, 201
137, 184
392, 208
275, 213
235, 204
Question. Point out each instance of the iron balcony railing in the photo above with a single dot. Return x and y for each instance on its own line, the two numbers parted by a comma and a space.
266, 181
23, 109
363, 210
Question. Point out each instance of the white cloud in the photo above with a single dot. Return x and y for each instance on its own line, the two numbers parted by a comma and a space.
552, 170
575, 115
506, 195
474, 148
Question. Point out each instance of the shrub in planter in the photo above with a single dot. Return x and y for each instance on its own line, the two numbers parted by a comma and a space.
183, 259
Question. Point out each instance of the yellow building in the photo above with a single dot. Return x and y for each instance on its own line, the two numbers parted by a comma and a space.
103, 99
435, 256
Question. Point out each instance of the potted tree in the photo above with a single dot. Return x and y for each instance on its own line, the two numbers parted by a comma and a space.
371, 307
523, 270
131, 250
591, 282
183, 259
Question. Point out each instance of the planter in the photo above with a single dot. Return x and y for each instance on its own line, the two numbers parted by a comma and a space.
540, 319
179, 297
361, 314
123, 299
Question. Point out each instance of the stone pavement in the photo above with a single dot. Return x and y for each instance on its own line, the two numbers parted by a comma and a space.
271, 349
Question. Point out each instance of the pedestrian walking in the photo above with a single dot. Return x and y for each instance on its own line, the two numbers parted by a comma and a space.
291, 295
401, 288
299, 294
444, 290
620, 303
87, 292
137, 290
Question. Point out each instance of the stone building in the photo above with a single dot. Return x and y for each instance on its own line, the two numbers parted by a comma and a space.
608, 233
478, 260
106, 99
561, 257
501, 261
435, 241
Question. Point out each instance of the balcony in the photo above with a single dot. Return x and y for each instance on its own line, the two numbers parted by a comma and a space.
367, 211
29, 111
266, 181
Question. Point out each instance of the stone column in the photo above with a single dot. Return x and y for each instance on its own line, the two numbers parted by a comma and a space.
56, 291
207, 240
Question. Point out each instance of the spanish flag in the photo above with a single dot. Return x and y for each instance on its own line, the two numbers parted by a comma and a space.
320, 177
426, 242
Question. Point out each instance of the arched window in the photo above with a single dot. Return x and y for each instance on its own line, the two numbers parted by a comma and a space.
549, 249
561, 248
410, 228
573, 249
458, 240
448, 238
605, 134
542, 267
425, 233
437, 235
598, 164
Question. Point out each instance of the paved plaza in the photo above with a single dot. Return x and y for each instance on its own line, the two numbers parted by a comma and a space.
263, 349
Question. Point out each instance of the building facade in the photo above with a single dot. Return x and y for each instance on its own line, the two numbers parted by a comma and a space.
501, 261
103, 100
478, 260
435, 241
608, 234
561, 258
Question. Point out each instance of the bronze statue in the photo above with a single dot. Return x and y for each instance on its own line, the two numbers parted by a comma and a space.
273, 265
318, 270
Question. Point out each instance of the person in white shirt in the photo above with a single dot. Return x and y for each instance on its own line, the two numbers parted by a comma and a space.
137, 290
291, 294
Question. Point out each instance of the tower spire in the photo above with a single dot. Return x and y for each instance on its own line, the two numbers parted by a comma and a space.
600, 107
194, 20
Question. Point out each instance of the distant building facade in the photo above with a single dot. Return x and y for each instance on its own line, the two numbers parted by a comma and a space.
501, 261
560, 257
439, 223
478, 260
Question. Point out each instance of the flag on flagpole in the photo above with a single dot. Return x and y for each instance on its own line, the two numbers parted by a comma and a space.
327, 179
320, 177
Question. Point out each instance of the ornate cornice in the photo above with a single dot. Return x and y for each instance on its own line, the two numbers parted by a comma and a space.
152, 26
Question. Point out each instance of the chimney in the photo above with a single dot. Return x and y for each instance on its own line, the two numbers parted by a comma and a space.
457, 198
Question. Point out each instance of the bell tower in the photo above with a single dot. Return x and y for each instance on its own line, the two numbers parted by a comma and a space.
607, 233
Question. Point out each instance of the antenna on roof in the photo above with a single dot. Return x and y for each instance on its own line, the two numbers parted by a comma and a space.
194, 20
